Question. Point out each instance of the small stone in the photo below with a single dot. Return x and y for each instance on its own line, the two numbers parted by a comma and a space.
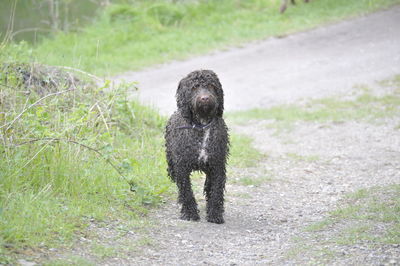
23, 262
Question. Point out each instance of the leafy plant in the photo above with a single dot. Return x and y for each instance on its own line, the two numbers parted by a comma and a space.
72, 152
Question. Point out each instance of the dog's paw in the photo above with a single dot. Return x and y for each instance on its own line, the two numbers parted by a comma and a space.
190, 216
217, 219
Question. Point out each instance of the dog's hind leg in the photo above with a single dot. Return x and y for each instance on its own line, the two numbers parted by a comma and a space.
189, 209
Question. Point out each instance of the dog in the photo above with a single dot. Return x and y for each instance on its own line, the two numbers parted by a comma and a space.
197, 140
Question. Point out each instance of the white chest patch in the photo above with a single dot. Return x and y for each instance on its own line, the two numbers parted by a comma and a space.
203, 156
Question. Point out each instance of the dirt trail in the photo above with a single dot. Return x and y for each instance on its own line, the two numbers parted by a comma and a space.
325, 61
262, 220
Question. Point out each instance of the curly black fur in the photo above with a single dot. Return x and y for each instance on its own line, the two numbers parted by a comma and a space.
197, 140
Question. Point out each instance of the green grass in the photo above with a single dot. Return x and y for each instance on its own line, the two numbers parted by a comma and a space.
365, 106
242, 152
141, 33
367, 217
84, 155
104, 251
253, 181
70, 261
298, 157
364, 211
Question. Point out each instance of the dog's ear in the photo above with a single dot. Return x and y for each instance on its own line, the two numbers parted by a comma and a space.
182, 99
220, 94
220, 99
213, 78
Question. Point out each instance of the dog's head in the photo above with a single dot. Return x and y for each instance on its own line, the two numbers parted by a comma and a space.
200, 95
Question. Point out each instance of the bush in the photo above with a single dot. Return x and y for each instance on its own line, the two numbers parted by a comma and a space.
72, 152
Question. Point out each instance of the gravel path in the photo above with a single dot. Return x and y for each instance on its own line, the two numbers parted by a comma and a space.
325, 61
264, 219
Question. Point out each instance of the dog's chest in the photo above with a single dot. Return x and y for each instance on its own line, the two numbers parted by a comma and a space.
203, 154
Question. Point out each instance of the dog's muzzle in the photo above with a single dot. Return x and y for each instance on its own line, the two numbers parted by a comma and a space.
205, 104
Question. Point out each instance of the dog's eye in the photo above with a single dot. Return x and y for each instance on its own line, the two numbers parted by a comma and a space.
212, 88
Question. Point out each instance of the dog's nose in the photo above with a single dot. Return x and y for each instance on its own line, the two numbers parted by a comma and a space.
204, 98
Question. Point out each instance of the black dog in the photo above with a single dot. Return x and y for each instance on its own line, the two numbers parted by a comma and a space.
197, 140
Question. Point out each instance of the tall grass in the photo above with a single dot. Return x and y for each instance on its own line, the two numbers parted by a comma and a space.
139, 33
72, 153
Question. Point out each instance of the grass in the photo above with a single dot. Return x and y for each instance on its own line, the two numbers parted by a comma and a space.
367, 217
242, 152
253, 181
380, 204
104, 251
84, 154
372, 209
141, 33
72, 260
364, 107
298, 157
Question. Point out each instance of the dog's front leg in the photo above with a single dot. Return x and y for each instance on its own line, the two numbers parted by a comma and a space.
189, 209
214, 191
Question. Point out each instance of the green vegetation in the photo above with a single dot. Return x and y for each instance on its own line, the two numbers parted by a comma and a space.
242, 152
364, 212
139, 33
72, 153
253, 181
298, 157
365, 106
367, 217
372, 209
70, 261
